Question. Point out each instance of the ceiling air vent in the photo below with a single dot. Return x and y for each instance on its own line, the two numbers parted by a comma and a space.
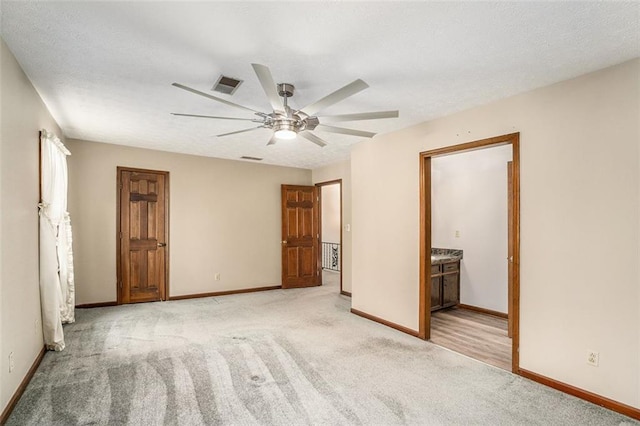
226, 85
246, 157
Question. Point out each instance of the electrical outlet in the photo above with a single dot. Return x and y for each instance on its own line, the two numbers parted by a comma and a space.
457, 234
593, 358
11, 364
36, 327
217, 276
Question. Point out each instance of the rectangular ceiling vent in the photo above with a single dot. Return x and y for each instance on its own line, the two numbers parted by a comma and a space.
226, 85
246, 157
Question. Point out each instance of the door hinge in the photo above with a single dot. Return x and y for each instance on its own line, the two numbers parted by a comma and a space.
120, 284
120, 235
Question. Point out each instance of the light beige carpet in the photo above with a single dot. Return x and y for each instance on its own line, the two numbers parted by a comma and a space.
283, 357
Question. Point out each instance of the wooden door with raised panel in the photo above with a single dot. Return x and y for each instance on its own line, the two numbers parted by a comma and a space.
300, 237
143, 235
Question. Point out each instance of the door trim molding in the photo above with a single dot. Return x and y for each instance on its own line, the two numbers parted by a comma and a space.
119, 170
424, 319
319, 185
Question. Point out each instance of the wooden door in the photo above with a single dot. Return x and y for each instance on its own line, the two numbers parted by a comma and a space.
143, 234
300, 237
510, 247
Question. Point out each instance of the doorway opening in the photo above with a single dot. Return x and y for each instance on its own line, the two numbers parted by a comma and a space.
469, 249
330, 195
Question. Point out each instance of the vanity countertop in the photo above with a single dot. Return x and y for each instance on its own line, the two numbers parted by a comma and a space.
442, 255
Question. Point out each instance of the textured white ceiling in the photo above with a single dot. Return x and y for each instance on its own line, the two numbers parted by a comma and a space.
105, 69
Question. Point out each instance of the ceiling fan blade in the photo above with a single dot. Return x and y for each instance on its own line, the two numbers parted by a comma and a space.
360, 116
206, 95
313, 138
335, 97
343, 131
240, 131
269, 86
272, 141
213, 116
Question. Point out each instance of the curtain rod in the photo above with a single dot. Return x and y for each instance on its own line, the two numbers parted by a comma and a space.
57, 142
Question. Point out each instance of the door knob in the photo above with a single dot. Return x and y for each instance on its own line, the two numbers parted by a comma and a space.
284, 242
162, 244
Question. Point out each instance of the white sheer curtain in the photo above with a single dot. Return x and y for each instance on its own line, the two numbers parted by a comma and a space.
57, 292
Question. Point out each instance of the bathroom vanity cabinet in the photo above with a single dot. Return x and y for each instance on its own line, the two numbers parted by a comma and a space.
445, 284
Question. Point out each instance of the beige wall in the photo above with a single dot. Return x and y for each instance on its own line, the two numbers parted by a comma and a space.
579, 224
342, 171
23, 114
224, 218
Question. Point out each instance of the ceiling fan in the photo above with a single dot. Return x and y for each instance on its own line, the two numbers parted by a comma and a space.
288, 123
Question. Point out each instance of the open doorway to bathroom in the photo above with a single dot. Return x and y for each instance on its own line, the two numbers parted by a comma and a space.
330, 194
469, 249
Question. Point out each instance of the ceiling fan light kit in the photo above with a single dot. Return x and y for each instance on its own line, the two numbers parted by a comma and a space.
286, 123
285, 134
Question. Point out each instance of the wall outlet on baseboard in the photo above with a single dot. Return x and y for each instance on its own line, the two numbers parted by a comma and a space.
11, 364
217, 276
593, 358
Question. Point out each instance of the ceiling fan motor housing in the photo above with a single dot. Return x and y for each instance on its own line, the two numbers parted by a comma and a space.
286, 90
293, 122
284, 123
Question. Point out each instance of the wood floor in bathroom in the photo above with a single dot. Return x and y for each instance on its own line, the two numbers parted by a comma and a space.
477, 335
